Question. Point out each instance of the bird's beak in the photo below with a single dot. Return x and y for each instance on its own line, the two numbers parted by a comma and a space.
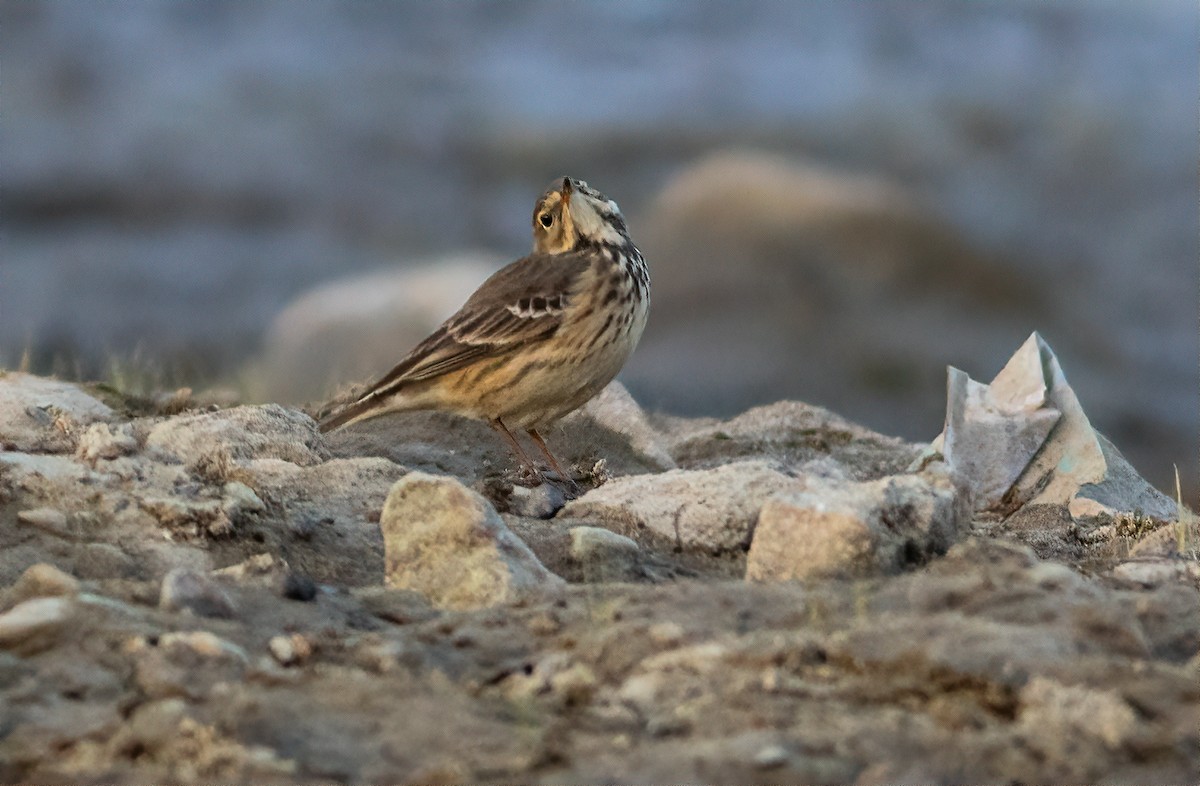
567, 190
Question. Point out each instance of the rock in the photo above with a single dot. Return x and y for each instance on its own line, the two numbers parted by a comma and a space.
107, 442
540, 502
616, 410
1151, 572
238, 435
771, 757
992, 431
41, 415
857, 529
46, 519
712, 510
791, 432
35, 624
1074, 712
446, 542
351, 329
605, 555
198, 593
1026, 436
240, 502
42, 581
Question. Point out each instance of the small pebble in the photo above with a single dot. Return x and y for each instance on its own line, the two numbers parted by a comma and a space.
203, 643
290, 650
299, 587
771, 757
48, 519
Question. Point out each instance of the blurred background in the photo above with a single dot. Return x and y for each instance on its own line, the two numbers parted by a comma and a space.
837, 199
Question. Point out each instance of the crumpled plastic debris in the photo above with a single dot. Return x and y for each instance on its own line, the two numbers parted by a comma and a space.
1024, 439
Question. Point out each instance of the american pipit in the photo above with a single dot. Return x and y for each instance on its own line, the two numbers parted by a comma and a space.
539, 338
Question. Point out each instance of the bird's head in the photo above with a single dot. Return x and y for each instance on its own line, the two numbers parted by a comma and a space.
571, 214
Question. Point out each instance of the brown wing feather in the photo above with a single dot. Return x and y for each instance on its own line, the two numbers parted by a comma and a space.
518, 305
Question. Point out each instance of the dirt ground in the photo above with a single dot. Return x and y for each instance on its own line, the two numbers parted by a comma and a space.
1017, 656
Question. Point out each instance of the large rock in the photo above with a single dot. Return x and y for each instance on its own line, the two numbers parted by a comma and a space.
42, 415
239, 434
834, 529
791, 432
711, 511
1025, 439
446, 542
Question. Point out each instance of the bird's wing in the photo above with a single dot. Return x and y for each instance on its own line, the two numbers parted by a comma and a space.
518, 305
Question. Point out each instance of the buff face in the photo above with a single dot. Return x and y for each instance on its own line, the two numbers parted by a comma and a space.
570, 210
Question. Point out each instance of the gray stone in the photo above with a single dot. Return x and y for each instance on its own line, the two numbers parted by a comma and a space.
199, 593
712, 510
42, 415
1027, 431
446, 542
240, 502
540, 502
240, 434
833, 529
605, 555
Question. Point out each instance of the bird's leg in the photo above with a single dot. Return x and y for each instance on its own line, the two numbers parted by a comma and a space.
522, 456
541, 443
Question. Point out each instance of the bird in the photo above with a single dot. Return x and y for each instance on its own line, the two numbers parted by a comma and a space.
539, 338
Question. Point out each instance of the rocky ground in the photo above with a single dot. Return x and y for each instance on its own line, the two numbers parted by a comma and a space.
195, 591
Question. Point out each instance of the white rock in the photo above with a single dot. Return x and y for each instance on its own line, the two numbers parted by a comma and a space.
1027, 431
44, 415
448, 543
712, 510
35, 624
845, 528
241, 434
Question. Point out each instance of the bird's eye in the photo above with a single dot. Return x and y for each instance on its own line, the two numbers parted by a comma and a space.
546, 220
